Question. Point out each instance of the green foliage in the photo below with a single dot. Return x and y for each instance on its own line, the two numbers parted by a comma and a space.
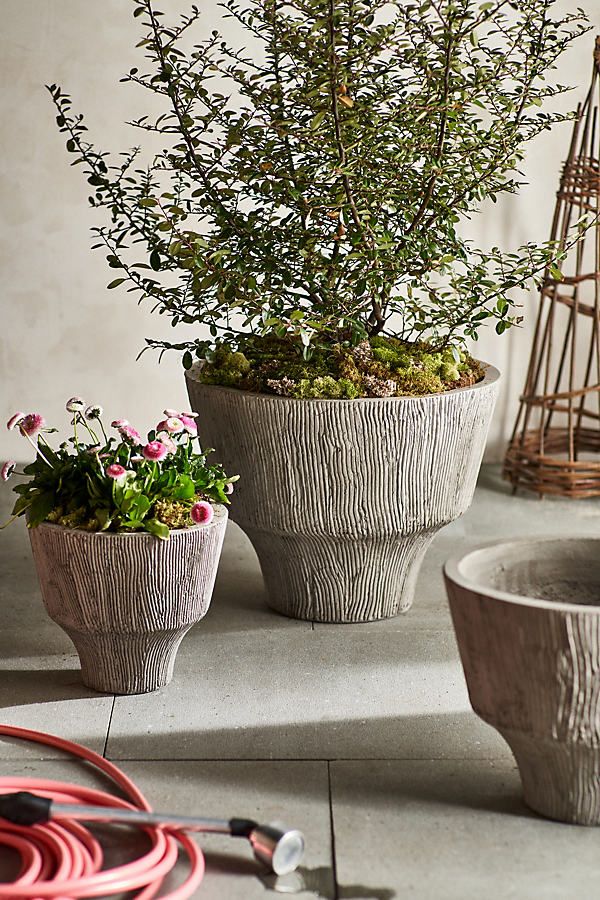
72, 485
377, 367
315, 190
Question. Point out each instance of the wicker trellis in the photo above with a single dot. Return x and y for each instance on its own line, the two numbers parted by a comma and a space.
555, 445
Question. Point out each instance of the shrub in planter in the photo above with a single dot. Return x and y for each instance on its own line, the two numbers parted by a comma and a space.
306, 214
126, 535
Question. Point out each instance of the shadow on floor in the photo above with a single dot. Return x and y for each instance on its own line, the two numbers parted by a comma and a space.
23, 687
444, 736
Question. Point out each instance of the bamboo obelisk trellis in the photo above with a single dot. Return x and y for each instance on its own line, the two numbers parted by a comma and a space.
555, 446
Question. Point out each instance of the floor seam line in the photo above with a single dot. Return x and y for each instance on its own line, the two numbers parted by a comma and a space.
332, 835
110, 718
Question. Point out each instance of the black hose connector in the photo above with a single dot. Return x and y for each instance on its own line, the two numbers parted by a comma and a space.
24, 808
242, 827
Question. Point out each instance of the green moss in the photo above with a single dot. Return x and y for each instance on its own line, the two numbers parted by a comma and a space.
380, 366
172, 513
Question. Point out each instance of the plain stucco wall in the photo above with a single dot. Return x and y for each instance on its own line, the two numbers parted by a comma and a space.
63, 333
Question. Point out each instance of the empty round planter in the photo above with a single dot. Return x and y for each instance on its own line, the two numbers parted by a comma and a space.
527, 620
127, 600
341, 498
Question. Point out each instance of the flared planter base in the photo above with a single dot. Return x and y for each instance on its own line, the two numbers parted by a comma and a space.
127, 663
326, 579
560, 781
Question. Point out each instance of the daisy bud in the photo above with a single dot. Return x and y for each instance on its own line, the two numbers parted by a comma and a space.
15, 420
115, 471
128, 433
75, 404
7, 469
93, 412
189, 424
202, 512
166, 439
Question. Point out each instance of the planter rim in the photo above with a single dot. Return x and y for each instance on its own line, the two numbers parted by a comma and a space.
491, 376
453, 570
221, 513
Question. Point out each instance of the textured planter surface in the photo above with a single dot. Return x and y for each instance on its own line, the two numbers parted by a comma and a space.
127, 600
341, 498
527, 621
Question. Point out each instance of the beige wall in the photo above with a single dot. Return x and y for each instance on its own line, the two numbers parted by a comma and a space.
63, 333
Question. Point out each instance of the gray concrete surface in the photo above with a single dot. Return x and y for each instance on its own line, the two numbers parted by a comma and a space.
362, 735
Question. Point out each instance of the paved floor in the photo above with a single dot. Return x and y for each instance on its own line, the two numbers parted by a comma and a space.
361, 735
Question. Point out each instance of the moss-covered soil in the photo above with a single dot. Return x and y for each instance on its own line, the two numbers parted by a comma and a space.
378, 367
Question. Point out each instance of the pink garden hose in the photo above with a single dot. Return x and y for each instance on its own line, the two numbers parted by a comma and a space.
62, 859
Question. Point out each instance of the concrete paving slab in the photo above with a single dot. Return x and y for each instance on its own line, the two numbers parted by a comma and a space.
456, 830
322, 695
295, 793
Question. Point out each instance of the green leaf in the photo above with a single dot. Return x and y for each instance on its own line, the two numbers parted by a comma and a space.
185, 490
159, 529
115, 283
187, 360
155, 260
41, 506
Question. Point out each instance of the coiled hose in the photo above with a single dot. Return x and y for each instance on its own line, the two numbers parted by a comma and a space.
63, 860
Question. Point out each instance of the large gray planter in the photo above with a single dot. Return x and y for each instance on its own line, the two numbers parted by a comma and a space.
527, 621
127, 600
341, 498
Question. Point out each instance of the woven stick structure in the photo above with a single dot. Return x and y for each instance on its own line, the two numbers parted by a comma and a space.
555, 445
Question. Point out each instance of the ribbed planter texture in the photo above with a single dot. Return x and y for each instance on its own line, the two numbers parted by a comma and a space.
341, 498
527, 621
127, 600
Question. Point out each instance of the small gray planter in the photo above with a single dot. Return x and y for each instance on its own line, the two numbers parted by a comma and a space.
341, 498
127, 600
527, 621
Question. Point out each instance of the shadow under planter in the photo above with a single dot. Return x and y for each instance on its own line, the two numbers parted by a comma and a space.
127, 600
341, 498
527, 620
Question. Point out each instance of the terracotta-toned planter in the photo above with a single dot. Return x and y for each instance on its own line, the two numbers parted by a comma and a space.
127, 600
527, 620
341, 498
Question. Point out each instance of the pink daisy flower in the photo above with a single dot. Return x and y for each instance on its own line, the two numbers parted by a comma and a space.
155, 451
137, 459
115, 471
119, 423
170, 412
189, 424
165, 439
173, 425
202, 512
15, 420
32, 424
129, 433
7, 469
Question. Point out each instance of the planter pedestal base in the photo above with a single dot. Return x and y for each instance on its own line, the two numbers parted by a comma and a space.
560, 781
127, 663
334, 579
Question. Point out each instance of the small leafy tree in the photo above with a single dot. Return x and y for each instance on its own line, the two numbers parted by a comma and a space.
314, 187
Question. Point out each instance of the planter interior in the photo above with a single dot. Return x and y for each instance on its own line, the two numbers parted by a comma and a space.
341, 498
527, 620
564, 571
